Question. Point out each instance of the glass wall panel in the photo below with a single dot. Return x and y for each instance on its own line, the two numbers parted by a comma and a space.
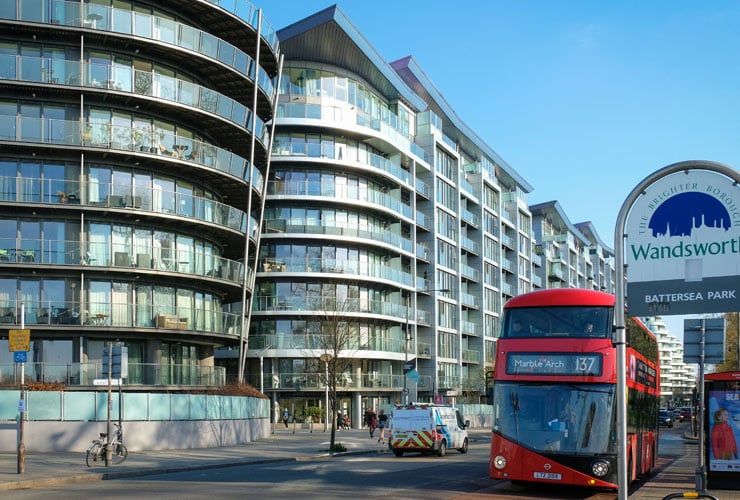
79, 406
47, 405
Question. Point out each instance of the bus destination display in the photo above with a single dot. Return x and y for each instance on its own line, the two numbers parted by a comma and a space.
557, 363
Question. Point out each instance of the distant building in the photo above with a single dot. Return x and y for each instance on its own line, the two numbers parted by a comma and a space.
677, 379
573, 255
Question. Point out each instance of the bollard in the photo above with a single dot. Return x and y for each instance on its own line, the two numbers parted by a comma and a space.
691, 494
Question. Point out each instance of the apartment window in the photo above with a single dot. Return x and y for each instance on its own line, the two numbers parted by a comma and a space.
446, 314
446, 254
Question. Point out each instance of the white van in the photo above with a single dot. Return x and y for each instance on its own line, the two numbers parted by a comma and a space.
426, 427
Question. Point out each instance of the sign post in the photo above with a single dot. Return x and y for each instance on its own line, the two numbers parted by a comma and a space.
704, 342
682, 245
19, 342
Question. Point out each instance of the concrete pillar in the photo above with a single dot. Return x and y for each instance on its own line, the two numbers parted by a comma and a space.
356, 418
153, 362
207, 373
206, 355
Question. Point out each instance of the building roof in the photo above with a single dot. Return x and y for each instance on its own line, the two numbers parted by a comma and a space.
552, 211
588, 229
329, 37
453, 125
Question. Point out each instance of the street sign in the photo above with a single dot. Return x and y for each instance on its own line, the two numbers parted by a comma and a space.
104, 381
409, 365
19, 340
20, 356
682, 237
714, 340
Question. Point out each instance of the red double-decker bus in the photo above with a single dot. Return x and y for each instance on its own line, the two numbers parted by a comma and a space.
555, 392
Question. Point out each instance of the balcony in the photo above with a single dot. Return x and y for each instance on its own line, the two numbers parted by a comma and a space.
122, 138
121, 256
59, 314
84, 374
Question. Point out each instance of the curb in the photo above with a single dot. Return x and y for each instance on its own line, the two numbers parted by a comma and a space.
153, 471
689, 438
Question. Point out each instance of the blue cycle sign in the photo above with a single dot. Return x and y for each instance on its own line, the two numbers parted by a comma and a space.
683, 246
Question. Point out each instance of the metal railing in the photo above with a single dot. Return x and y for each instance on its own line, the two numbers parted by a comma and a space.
96, 314
86, 374
309, 342
140, 24
119, 255
126, 138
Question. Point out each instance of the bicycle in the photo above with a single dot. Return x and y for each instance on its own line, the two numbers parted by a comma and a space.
97, 449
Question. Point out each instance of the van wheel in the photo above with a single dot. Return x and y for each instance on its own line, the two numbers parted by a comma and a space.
397, 452
442, 448
464, 448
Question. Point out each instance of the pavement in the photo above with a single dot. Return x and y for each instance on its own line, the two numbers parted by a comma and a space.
675, 475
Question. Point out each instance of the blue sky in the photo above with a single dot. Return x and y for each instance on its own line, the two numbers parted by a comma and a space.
584, 99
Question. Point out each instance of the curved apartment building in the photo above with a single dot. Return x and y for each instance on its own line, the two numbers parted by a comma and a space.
391, 236
133, 157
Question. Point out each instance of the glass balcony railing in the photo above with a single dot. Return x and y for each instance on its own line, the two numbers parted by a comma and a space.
470, 300
249, 13
470, 328
347, 267
280, 226
92, 193
424, 220
470, 245
317, 381
140, 24
294, 303
448, 382
365, 196
84, 374
106, 254
470, 356
469, 217
422, 251
470, 272
318, 342
121, 137
99, 314
126, 79
288, 146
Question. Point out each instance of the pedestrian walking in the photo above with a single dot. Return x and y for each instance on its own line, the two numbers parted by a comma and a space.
286, 416
370, 420
382, 423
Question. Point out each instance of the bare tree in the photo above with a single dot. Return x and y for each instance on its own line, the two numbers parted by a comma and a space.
337, 343
732, 345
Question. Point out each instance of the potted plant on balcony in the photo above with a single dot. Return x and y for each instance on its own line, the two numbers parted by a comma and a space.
87, 133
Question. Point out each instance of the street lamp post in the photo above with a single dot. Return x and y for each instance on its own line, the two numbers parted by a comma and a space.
408, 338
262, 366
406, 351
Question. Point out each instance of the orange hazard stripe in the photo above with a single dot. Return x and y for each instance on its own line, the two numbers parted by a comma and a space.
420, 440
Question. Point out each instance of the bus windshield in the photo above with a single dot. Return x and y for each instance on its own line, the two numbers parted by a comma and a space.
556, 418
561, 321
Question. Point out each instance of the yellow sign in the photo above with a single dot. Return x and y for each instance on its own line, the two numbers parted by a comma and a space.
19, 340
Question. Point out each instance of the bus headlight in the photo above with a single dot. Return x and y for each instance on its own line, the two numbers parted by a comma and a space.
600, 468
499, 462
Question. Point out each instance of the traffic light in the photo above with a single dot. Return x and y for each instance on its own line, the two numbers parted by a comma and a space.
119, 368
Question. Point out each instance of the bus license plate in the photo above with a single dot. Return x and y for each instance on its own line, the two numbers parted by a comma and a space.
547, 475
